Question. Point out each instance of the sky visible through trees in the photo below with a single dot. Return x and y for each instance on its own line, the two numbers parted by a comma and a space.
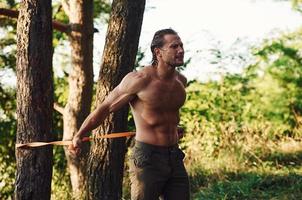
232, 26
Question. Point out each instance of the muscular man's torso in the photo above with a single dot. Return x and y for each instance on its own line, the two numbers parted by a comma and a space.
156, 109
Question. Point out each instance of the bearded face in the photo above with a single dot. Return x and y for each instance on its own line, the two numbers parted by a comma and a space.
172, 53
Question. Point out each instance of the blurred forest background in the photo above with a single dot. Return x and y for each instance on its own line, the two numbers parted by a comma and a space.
243, 131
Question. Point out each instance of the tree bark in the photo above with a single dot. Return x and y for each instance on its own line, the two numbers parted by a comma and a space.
80, 87
106, 160
34, 99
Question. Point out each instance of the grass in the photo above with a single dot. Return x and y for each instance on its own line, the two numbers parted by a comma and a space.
250, 167
252, 185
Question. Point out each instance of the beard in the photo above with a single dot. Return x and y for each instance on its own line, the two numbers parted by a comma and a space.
176, 63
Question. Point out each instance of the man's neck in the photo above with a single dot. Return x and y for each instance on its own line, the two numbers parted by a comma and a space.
165, 71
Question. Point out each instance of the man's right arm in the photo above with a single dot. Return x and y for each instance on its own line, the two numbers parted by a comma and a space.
119, 97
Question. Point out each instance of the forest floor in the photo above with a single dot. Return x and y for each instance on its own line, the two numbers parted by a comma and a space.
262, 175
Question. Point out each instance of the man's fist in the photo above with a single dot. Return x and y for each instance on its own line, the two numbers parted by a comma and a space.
75, 147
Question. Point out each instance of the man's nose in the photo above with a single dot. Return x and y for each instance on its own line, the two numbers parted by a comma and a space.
180, 50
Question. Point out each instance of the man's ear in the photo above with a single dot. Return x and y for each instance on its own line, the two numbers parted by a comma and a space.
157, 52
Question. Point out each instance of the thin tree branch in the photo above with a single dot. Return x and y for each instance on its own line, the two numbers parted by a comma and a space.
66, 7
58, 108
9, 13
65, 28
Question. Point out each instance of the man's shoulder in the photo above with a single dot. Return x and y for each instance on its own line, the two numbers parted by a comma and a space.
141, 75
182, 78
136, 80
148, 69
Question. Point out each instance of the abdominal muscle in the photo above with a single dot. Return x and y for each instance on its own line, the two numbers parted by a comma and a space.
157, 128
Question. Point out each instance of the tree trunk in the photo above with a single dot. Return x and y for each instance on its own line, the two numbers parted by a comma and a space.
106, 160
34, 99
80, 87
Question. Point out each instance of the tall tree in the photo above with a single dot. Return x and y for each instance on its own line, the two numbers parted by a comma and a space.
34, 99
80, 85
106, 160
78, 26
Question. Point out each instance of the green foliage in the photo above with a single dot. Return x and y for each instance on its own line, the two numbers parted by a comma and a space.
218, 101
229, 159
7, 107
7, 138
61, 90
280, 75
8, 3
61, 185
297, 4
60, 16
243, 131
102, 9
139, 57
8, 47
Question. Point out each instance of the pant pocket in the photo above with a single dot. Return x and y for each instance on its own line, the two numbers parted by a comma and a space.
141, 157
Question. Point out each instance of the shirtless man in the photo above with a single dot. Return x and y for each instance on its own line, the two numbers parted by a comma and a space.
155, 95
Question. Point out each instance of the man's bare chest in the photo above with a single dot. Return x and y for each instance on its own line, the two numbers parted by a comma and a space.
170, 96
